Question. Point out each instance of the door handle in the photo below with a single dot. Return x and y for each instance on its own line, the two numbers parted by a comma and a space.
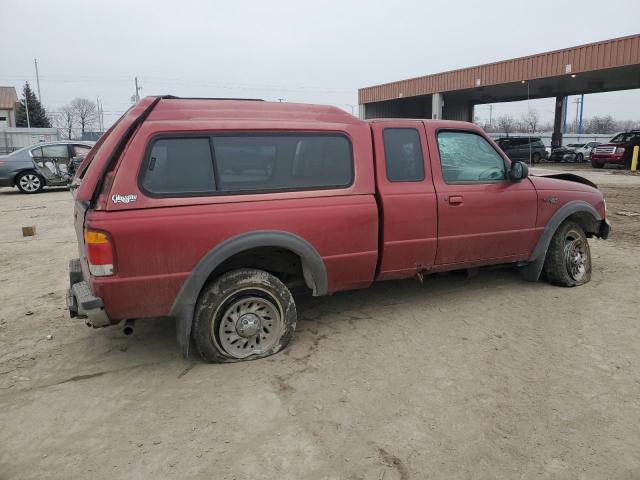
455, 200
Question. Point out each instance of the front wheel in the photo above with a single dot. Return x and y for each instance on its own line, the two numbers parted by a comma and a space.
568, 260
29, 182
535, 158
579, 158
242, 315
597, 165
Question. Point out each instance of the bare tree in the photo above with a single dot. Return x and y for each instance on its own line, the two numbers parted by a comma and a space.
530, 121
85, 111
604, 124
65, 120
506, 124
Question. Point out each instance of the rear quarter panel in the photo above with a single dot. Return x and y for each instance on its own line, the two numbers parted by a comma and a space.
158, 241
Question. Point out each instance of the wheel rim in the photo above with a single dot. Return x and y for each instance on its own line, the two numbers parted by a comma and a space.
250, 323
576, 254
30, 182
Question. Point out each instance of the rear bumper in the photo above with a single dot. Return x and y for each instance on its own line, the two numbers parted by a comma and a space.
81, 303
7, 181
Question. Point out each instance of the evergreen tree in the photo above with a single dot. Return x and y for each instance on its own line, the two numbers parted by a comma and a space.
37, 114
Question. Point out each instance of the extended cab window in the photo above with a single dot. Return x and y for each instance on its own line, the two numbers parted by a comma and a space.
467, 157
179, 166
272, 162
403, 155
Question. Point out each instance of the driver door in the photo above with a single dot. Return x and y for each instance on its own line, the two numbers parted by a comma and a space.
483, 217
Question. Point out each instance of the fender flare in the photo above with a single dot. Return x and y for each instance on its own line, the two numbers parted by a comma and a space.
315, 274
531, 272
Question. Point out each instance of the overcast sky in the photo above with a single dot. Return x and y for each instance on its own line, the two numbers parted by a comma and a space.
318, 52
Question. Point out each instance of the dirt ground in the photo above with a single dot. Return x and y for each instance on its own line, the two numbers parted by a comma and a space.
487, 378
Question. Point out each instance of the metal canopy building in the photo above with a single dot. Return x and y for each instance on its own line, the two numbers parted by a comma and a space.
597, 67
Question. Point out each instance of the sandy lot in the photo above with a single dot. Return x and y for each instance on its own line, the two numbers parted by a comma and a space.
488, 377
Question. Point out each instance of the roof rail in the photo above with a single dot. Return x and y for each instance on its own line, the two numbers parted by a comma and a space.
173, 97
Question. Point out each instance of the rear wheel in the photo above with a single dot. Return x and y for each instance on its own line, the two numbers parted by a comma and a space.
579, 158
535, 158
568, 260
29, 182
242, 315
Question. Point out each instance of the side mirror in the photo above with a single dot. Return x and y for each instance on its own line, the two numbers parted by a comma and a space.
518, 171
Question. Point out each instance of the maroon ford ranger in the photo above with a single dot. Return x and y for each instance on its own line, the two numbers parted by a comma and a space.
210, 211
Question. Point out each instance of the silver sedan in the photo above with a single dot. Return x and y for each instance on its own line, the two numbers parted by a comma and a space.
46, 164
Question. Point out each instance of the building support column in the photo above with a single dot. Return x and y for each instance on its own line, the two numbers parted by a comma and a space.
437, 102
361, 111
558, 118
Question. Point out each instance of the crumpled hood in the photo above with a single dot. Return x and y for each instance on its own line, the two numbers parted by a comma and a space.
566, 177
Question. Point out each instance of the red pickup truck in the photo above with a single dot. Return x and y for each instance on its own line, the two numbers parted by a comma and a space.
210, 211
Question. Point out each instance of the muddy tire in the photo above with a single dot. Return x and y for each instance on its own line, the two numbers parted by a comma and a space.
29, 182
243, 315
568, 260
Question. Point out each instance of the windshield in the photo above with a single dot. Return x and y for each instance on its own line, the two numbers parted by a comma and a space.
625, 137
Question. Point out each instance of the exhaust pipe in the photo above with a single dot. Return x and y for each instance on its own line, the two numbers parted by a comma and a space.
128, 327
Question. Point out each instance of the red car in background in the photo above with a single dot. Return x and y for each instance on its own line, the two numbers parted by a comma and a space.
618, 151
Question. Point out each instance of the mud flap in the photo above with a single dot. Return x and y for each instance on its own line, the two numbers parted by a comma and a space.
184, 320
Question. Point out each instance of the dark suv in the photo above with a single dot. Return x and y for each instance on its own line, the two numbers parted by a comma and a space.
523, 148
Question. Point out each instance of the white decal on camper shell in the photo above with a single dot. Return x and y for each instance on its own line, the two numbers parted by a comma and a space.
123, 198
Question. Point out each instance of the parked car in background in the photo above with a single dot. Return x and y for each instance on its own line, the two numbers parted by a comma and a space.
581, 151
179, 224
618, 151
572, 152
523, 148
44, 165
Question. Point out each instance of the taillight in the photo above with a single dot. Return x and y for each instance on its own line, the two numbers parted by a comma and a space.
99, 253
619, 149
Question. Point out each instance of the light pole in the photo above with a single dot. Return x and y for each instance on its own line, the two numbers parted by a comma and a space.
26, 107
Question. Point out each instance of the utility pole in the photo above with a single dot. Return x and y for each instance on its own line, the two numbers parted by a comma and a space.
281, 99
101, 117
99, 114
35, 61
490, 115
351, 107
137, 97
581, 111
26, 107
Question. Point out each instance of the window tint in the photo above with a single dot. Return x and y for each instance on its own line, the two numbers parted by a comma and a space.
468, 157
263, 162
403, 155
179, 165
55, 151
